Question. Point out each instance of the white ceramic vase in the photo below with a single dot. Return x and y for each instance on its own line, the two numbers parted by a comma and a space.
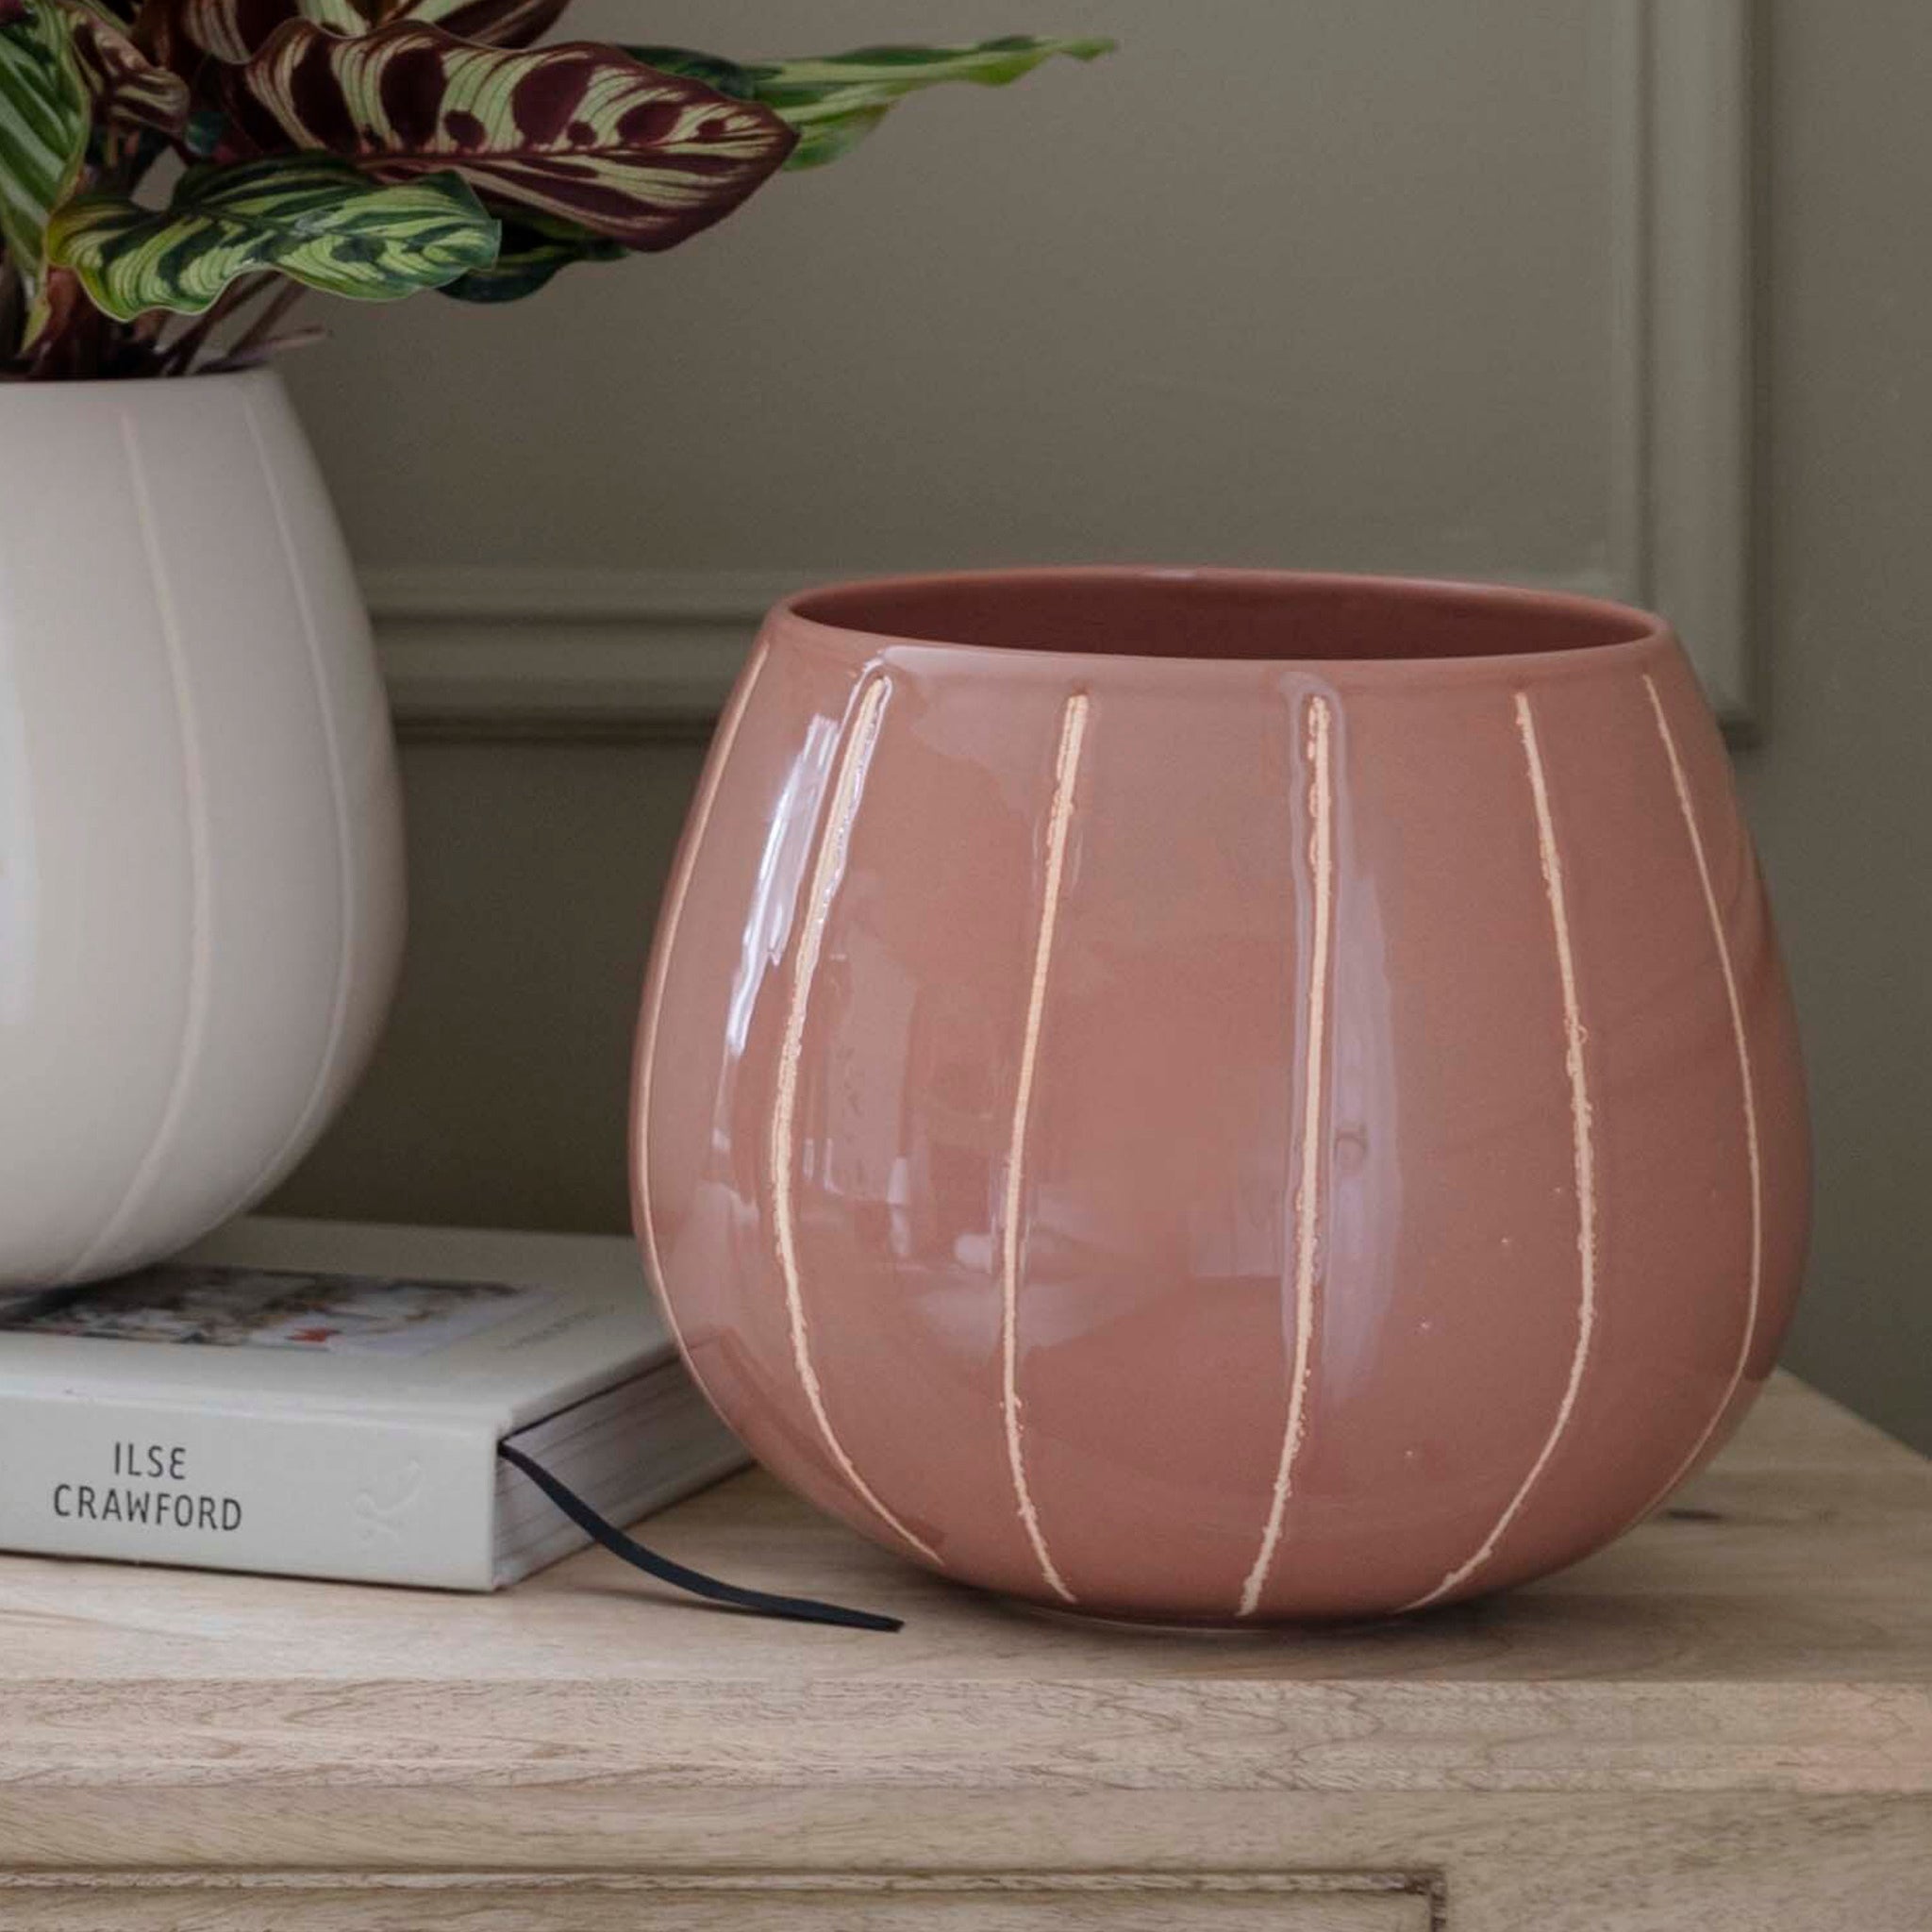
201, 866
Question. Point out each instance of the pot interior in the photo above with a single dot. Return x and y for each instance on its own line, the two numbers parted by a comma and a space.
1223, 614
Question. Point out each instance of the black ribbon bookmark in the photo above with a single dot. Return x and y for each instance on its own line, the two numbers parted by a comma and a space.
800, 1609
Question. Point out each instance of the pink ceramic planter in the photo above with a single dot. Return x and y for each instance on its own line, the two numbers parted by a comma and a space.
1219, 1096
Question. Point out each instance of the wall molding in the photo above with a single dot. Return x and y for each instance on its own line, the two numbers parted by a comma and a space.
1681, 244
590, 654
579, 654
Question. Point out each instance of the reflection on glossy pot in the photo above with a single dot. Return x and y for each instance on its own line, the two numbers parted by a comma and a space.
1219, 1096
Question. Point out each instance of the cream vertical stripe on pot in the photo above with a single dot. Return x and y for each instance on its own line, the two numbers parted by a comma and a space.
201, 867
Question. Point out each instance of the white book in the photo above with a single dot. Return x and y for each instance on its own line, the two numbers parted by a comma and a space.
321, 1399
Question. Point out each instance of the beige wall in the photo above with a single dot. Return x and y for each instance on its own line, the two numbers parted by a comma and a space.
1155, 305
1283, 282
1842, 788
498, 1098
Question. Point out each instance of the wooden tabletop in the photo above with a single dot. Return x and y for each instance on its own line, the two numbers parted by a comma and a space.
1799, 1566
1770, 1632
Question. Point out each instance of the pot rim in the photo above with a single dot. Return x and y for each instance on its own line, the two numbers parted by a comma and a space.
95, 387
1640, 633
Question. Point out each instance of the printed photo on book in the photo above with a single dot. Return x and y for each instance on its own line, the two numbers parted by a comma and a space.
251, 1308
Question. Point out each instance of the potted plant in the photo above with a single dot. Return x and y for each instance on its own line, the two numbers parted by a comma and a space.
200, 853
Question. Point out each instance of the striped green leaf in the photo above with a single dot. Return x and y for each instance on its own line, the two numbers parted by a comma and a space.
535, 249
579, 132
316, 220
44, 128
836, 101
233, 30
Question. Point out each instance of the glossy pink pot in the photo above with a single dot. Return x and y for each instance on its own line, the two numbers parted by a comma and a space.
1218, 1095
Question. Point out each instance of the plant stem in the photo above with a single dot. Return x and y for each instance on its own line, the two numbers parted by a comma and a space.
13, 310
178, 359
259, 330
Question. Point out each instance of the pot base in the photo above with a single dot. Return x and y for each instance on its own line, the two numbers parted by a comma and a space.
1244, 1631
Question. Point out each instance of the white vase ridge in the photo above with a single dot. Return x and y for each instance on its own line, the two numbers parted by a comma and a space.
201, 862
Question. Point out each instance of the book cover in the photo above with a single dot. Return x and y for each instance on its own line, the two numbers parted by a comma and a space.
321, 1399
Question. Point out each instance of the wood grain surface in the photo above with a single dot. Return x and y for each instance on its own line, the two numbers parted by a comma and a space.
1725, 1719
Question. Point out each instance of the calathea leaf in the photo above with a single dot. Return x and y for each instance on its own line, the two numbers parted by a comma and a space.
319, 221
493, 23
156, 30
203, 132
534, 249
233, 30
577, 131
722, 76
835, 101
44, 119
127, 87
